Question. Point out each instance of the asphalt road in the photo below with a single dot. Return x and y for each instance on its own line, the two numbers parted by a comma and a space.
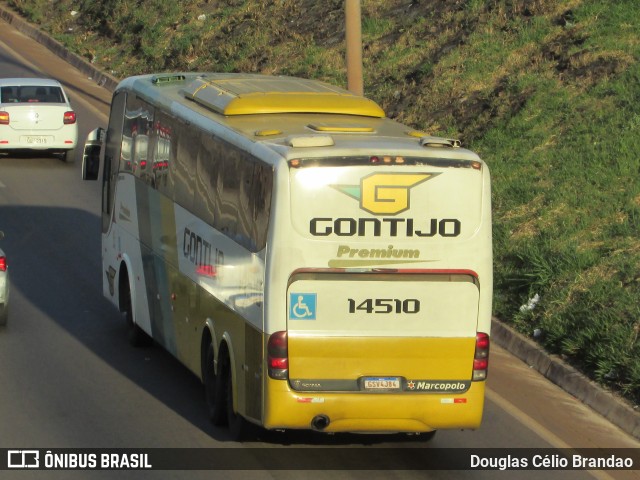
69, 379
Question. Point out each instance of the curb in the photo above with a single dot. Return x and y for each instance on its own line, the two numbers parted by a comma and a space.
102, 79
552, 367
614, 409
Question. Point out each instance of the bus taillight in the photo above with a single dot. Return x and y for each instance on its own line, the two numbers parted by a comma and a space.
277, 356
481, 357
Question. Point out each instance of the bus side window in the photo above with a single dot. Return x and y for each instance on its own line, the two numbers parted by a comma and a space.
261, 202
161, 157
140, 142
113, 147
183, 167
230, 177
207, 198
167, 134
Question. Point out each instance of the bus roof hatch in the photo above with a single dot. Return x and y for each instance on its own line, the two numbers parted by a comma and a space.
256, 94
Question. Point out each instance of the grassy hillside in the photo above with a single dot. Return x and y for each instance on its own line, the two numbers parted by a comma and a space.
546, 91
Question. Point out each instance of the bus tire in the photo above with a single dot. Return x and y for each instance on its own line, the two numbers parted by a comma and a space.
214, 393
238, 426
427, 436
137, 337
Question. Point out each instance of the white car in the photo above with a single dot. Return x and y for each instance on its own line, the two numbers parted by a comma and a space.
35, 114
4, 287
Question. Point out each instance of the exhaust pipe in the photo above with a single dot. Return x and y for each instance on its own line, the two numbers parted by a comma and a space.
320, 422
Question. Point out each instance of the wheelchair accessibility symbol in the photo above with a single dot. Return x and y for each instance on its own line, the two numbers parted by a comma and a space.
302, 306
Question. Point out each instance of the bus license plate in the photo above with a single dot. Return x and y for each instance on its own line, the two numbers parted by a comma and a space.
382, 383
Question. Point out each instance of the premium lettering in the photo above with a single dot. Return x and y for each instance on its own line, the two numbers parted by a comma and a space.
345, 251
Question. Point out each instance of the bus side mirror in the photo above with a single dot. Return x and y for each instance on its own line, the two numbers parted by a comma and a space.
91, 156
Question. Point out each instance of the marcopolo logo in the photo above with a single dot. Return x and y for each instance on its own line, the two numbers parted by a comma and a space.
385, 193
438, 386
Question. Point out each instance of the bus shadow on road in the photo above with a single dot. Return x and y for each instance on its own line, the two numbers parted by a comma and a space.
55, 265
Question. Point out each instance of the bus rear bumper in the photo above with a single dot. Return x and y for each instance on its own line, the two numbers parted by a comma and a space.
372, 413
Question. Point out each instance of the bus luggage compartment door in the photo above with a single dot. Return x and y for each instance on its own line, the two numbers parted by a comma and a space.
380, 331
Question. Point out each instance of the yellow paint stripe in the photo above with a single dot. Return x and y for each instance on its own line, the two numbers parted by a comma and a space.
537, 428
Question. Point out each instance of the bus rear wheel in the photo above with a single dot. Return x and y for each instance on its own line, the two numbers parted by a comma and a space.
239, 428
427, 436
214, 392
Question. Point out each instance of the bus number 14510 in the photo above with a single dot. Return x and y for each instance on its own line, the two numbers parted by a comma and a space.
385, 305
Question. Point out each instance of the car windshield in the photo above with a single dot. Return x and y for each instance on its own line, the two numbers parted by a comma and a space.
30, 94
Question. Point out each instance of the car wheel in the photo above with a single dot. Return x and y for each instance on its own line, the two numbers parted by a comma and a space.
214, 392
69, 156
4, 315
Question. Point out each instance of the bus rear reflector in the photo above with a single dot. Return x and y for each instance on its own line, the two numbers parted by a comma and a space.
3, 264
481, 357
277, 356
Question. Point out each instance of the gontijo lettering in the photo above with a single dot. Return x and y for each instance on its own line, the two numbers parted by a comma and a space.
196, 249
392, 227
199, 251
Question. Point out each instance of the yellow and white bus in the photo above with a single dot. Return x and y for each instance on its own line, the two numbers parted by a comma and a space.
318, 265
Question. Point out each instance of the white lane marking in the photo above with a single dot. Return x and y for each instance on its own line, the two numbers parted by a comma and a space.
537, 428
20, 57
